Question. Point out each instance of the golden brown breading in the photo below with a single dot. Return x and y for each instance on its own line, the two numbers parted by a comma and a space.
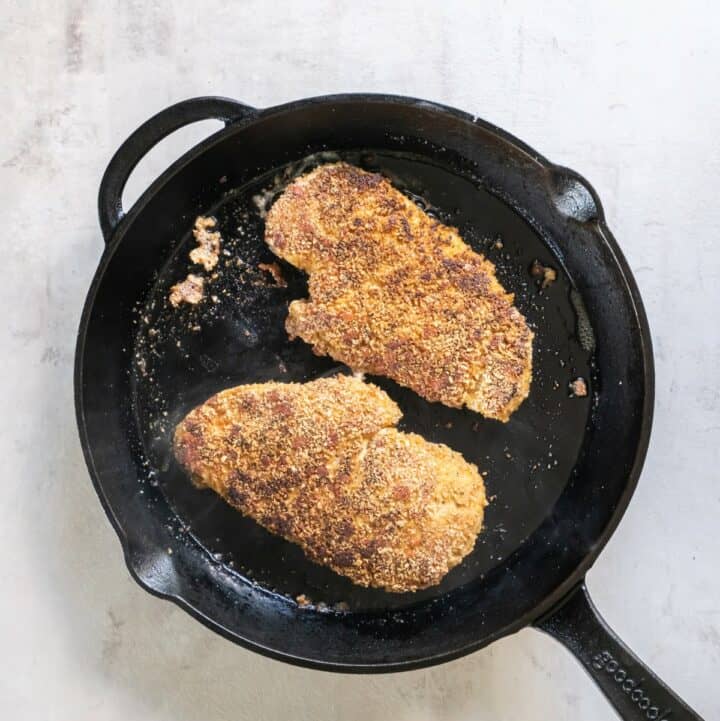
394, 292
323, 465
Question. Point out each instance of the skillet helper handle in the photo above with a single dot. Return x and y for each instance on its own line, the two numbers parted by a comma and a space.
631, 687
149, 134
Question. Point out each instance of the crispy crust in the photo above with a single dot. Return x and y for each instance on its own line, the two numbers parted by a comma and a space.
323, 465
394, 292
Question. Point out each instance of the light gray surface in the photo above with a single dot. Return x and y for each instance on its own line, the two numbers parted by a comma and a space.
627, 95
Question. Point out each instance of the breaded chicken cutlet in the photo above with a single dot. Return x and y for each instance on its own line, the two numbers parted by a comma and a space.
394, 292
323, 465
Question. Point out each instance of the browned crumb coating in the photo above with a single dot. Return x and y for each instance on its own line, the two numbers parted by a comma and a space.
323, 465
394, 292
578, 388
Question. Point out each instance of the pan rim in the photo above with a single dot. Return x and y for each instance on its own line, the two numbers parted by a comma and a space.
573, 578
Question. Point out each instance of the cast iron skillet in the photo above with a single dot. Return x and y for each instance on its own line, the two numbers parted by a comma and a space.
561, 472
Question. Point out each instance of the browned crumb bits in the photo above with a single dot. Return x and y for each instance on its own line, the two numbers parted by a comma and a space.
543, 273
207, 251
303, 600
189, 290
578, 388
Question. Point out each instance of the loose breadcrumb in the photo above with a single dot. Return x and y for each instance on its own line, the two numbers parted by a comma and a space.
578, 388
544, 273
190, 290
208, 241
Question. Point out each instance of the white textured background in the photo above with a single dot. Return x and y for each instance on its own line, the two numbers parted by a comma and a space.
627, 94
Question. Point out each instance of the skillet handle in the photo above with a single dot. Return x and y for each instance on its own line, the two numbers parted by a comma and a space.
149, 134
631, 687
